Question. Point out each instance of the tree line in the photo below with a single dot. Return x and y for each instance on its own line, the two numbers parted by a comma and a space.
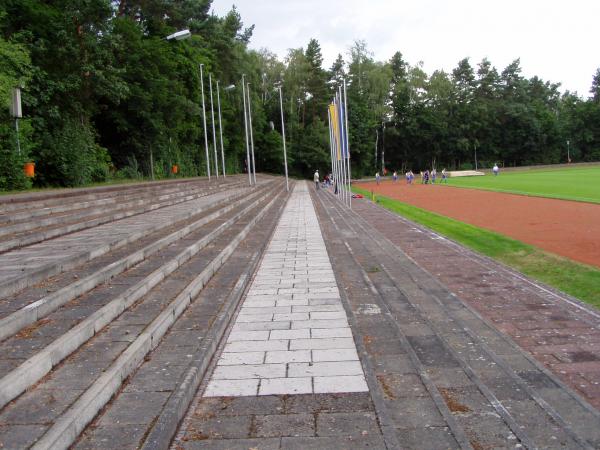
105, 95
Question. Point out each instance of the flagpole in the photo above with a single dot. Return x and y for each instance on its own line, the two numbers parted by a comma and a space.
221, 130
251, 134
340, 151
204, 120
246, 131
343, 141
330, 141
212, 115
347, 144
287, 186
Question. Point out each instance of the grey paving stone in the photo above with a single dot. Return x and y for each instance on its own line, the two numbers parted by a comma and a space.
39, 407
222, 427
232, 444
284, 425
17, 437
132, 408
334, 443
413, 412
239, 406
347, 424
113, 437
434, 438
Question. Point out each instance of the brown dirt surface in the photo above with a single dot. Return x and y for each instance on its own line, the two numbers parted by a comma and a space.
567, 228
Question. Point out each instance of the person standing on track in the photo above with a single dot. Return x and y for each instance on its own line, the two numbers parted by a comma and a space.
495, 169
444, 177
377, 178
395, 176
433, 175
316, 179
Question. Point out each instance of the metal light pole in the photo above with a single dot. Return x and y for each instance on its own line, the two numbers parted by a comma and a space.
204, 121
251, 133
345, 105
16, 112
221, 130
287, 186
383, 148
212, 115
568, 151
246, 131
475, 145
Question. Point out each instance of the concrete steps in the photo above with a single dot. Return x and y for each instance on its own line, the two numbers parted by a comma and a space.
31, 230
21, 268
97, 331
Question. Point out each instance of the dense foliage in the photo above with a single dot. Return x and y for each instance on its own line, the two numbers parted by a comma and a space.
106, 95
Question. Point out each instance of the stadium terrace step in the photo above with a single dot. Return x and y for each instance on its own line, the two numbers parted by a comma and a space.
47, 198
116, 199
73, 421
38, 363
21, 268
69, 223
30, 313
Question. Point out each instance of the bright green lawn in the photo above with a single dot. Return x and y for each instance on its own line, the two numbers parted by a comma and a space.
579, 280
582, 184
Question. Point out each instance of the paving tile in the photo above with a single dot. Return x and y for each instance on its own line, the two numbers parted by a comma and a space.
303, 333
335, 323
325, 343
338, 354
324, 369
256, 346
228, 359
226, 388
250, 326
249, 371
344, 332
288, 356
347, 383
281, 386
261, 335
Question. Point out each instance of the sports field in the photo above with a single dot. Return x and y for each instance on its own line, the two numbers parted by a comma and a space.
581, 184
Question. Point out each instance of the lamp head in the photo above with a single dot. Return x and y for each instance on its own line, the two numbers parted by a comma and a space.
179, 35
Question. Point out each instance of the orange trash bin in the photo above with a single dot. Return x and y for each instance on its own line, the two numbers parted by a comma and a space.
174, 169
29, 169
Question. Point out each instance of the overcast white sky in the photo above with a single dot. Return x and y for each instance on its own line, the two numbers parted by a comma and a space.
557, 40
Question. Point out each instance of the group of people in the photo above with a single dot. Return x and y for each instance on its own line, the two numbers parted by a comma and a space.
426, 176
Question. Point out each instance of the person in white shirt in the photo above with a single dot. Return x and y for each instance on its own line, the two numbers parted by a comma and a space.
316, 178
495, 169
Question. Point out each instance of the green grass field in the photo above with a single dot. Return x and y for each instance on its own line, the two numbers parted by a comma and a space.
581, 184
579, 280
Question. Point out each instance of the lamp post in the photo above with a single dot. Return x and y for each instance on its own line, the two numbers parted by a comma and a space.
287, 186
204, 121
221, 125
568, 151
251, 134
212, 115
16, 112
246, 130
177, 36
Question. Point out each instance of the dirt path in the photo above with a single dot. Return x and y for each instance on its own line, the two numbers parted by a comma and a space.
566, 228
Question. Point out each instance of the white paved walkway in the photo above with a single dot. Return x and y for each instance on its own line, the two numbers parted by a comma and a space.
291, 335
